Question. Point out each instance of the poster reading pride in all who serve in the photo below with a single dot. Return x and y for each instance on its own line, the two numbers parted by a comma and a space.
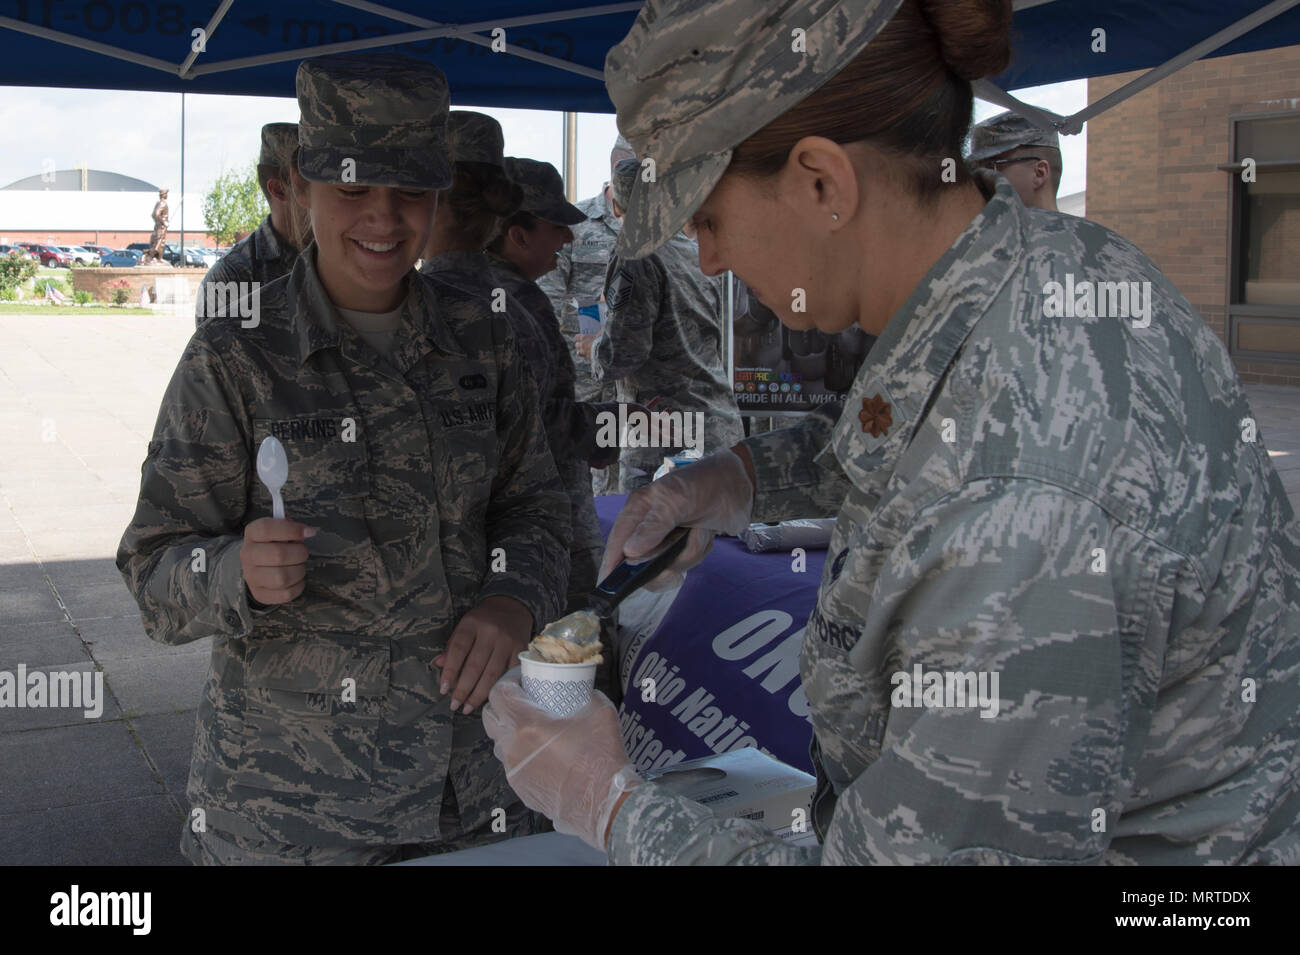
777, 370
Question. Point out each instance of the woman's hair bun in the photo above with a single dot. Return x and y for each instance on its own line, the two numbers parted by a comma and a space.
974, 35
479, 188
503, 197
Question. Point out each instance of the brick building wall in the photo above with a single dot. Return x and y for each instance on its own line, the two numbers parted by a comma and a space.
1152, 173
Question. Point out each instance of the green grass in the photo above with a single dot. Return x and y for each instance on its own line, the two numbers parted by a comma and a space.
21, 308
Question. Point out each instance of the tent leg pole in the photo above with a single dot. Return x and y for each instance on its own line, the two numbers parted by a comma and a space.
571, 155
182, 180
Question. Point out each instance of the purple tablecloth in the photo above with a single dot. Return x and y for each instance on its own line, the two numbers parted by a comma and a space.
722, 669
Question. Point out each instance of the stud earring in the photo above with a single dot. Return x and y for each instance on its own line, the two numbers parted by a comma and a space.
835, 217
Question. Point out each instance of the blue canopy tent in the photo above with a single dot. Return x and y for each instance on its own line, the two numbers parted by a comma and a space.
551, 52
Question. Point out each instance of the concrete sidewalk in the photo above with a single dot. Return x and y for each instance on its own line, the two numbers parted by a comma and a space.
78, 398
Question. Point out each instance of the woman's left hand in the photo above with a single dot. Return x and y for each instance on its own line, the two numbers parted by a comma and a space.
485, 644
574, 770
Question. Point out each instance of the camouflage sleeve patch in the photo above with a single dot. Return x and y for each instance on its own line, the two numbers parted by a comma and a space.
628, 337
621, 287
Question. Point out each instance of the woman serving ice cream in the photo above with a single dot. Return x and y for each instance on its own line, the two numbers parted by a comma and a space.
1068, 503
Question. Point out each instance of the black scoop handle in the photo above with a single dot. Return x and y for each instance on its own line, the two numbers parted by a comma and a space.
629, 576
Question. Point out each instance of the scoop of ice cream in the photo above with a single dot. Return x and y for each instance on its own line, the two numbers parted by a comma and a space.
559, 650
571, 639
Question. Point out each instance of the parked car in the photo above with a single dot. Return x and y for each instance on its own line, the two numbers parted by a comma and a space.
20, 251
50, 257
97, 249
121, 259
77, 254
200, 256
171, 253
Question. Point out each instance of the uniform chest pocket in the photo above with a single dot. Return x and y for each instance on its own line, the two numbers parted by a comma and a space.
327, 488
313, 703
849, 708
846, 668
592, 256
327, 462
463, 437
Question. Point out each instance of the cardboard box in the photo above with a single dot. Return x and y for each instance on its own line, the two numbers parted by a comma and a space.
747, 784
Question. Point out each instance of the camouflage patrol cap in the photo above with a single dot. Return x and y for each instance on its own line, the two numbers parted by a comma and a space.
475, 137
625, 174
278, 143
691, 81
384, 112
1007, 131
543, 191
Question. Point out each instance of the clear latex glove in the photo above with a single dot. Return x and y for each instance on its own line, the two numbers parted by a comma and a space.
574, 771
712, 495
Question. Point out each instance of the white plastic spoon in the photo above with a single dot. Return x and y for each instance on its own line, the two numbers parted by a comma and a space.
273, 470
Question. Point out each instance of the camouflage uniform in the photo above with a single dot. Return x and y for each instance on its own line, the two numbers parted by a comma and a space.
580, 274
663, 338
570, 425
449, 462
1096, 532
261, 256
571, 429
420, 471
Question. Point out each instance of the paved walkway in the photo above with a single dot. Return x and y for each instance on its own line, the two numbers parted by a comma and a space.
78, 398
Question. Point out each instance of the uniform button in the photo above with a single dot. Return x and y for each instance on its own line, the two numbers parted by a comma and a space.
232, 618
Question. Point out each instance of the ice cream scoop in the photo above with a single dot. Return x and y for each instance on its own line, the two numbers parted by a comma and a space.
579, 632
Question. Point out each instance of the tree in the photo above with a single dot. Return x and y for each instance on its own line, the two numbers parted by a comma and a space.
15, 269
235, 205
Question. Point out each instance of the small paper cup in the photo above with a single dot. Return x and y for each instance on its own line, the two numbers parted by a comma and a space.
561, 689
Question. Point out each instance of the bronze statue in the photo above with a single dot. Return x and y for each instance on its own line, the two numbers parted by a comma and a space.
155, 253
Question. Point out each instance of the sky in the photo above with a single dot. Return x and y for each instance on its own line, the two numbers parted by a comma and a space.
139, 134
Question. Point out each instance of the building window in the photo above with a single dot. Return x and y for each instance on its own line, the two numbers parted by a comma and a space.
1264, 282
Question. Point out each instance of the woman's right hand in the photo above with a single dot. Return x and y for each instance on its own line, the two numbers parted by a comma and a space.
715, 494
274, 559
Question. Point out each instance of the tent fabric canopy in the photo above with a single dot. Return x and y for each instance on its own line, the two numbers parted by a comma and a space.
555, 49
